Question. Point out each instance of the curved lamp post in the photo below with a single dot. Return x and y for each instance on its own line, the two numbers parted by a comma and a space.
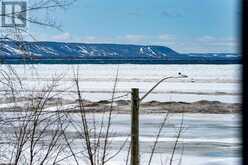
180, 75
135, 117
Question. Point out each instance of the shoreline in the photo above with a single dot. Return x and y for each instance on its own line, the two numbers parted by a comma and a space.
203, 106
121, 106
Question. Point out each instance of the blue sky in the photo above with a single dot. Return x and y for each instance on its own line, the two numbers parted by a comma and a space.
183, 25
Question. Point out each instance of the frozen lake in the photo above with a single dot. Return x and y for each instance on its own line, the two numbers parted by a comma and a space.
205, 82
207, 139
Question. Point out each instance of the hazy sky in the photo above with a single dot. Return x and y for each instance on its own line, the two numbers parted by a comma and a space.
183, 25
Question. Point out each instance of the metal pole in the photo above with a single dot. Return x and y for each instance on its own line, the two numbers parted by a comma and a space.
135, 127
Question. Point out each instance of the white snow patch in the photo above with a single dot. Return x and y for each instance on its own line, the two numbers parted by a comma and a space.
151, 51
230, 55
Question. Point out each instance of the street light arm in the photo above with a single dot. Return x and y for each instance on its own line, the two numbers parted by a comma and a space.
166, 78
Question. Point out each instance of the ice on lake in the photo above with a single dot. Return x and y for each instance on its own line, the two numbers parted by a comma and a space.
205, 82
208, 139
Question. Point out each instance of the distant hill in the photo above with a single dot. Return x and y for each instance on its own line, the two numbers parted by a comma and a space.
59, 52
